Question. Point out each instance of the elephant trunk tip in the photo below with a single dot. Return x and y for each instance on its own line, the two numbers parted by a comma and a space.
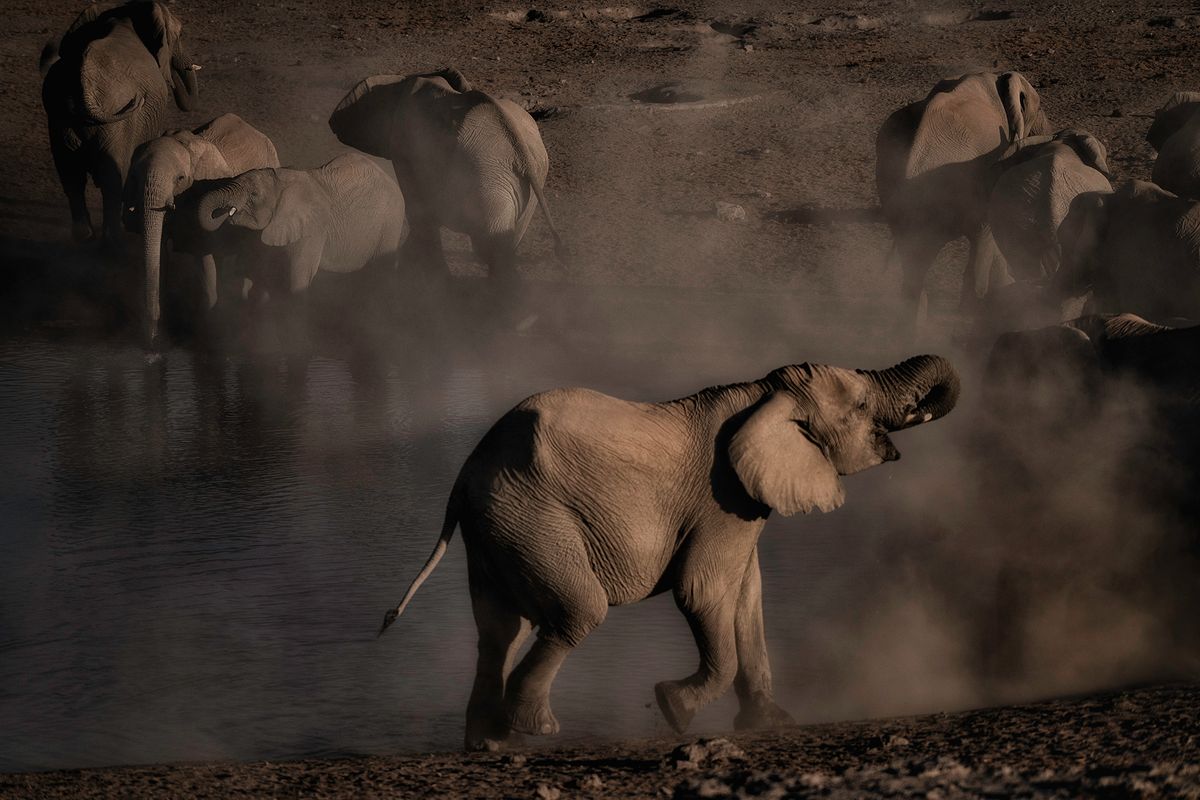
388, 619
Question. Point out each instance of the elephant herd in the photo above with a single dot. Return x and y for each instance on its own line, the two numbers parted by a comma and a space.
463, 160
575, 501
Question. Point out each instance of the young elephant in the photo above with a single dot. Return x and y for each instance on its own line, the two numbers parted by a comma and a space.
576, 501
931, 161
1137, 249
106, 88
1035, 184
1175, 134
165, 167
466, 161
340, 217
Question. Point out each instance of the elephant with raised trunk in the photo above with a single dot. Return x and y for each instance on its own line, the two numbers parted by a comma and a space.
164, 168
931, 165
575, 501
107, 84
1034, 185
1137, 250
340, 217
465, 160
1175, 134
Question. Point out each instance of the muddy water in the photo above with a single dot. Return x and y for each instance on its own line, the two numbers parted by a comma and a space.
196, 554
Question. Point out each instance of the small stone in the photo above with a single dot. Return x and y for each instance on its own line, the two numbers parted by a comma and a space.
896, 740
591, 782
730, 212
547, 792
1117, 112
515, 760
703, 752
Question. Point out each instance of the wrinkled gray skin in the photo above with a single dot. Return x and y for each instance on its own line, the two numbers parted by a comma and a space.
932, 159
164, 168
465, 160
340, 217
1175, 134
576, 501
106, 88
1137, 250
1034, 186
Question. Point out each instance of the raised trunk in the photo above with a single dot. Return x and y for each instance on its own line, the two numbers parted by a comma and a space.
917, 390
185, 86
214, 208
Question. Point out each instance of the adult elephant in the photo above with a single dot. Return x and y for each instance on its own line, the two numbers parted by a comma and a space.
164, 168
107, 85
343, 216
576, 501
1136, 249
465, 160
1034, 185
1175, 134
931, 162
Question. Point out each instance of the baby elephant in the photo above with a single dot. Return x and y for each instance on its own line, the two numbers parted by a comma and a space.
576, 501
339, 217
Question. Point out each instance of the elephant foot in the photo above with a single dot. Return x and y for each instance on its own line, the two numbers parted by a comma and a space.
533, 717
484, 744
762, 714
82, 231
673, 701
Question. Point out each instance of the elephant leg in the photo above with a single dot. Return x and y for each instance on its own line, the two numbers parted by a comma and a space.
73, 176
208, 268
498, 252
501, 633
110, 177
571, 602
917, 253
757, 708
712, 618
986, 268
425, 246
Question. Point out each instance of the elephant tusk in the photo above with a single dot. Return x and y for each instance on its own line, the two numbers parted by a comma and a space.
194, 68
232, 210
131, 209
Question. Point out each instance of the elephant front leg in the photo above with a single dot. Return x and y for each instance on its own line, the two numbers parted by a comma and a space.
757, 708
712, 619
73, 176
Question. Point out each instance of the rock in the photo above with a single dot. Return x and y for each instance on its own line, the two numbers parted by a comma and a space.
1117, 112
547, 792
896, 740
516, 760
534, 15
730, 212
591, 783
704, 752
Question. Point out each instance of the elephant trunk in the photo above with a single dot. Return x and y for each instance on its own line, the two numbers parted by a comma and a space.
184, 84
152, 243
917, 390
217, 206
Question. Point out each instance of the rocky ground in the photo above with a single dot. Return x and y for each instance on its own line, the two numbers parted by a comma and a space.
1141, 742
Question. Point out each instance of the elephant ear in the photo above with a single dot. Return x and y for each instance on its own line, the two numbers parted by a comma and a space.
777, 462
454, 78
1016, 95
294, 215
1174, 114
207, 161
161, 31
363, 118
1092, 153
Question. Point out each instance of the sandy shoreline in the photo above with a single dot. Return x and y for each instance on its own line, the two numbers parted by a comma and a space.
1139, 742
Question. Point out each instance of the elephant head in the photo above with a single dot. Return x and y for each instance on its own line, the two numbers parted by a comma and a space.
1091, 151
1080, 235
161, 170
89, 38
364, 118
815, 423
283, 204
1022, 106
1174, 114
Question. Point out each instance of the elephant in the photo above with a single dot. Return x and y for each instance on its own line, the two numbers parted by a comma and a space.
164, 168
106, 88
931, 162
466, 161
340, 217
575, 501
1175, 134
1034, 185
1136, 249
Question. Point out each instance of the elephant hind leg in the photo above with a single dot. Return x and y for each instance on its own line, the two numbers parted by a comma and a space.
501, 633
917, 253
498, 252
571, 602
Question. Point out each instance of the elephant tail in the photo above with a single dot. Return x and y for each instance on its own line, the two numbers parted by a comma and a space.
439, 550
560, 249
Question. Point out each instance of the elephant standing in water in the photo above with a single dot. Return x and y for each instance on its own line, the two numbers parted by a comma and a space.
931, 168
465, 160
1175, 134
576, 501
164, 168
1137, 250
106, 87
